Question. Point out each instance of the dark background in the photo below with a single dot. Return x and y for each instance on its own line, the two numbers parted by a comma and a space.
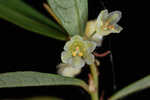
22, 50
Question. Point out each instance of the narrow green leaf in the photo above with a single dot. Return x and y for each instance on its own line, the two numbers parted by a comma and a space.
28, 78
21, 14
137, 86
73, 14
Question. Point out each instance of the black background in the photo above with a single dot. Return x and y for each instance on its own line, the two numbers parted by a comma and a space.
22, 50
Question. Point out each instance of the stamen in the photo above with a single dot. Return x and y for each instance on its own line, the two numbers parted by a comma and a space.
80, 54
107, 23
111, 26
77, 48
74, 54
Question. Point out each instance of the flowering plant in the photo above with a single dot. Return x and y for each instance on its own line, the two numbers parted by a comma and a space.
82, 38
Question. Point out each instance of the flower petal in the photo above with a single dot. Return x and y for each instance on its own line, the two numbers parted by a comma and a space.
68, 45
66, 56
89, 59
102, 18
117, 29
105, 32
98, 39
114, 17
90, 46
77, 62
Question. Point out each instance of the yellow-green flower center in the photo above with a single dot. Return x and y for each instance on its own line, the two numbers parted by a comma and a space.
77, 52
107, 26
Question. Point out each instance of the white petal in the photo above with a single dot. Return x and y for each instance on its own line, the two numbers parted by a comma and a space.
77, 62
67, 45
65, 56
101, 18
117, 29
114, 17
89, 59
98, 39
90, 46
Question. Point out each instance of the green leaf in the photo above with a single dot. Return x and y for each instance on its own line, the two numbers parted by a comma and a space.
73, 14
137, 86
28, 78
21, 14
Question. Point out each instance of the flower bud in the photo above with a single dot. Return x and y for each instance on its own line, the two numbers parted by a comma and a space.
68, 70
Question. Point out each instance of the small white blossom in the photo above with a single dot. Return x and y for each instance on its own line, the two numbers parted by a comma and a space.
105, 24
68, 70
78, 51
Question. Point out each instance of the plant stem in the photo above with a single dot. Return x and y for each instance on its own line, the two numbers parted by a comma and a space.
94, 73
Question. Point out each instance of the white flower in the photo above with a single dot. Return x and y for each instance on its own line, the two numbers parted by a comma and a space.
105, 24
77, 52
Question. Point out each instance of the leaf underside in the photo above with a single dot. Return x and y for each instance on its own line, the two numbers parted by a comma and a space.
73, 14
137, 86
28, 78
21, 14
